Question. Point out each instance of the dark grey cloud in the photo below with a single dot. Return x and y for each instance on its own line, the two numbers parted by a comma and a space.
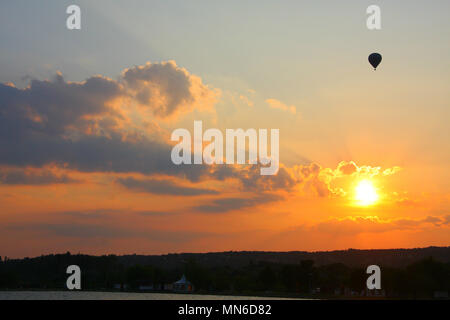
46, 123
17, 176
51, 106
446, 219
152, 213
103, 214
90, 214
90, 231
73, 125
95, 154
252, 180
165, 187
228, 204
434, 220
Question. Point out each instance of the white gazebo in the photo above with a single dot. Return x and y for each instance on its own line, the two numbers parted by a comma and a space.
182, 285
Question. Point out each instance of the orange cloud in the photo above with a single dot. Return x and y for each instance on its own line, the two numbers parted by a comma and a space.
373, 224
276, 104
350, 168
13, 176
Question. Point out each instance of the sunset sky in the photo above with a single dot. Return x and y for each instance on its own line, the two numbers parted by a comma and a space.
86, 118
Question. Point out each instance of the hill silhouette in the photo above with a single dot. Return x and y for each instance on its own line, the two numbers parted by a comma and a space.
350, 257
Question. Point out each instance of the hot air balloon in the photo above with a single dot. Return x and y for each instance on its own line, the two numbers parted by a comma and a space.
375, 59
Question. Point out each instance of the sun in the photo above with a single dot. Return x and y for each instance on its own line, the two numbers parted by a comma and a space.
366, 193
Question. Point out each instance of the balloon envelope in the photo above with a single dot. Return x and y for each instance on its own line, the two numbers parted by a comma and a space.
375, 59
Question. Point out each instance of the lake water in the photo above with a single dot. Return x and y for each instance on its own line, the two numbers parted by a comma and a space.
87, 295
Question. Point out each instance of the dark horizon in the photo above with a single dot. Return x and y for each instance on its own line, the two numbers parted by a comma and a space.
358, 256
405, 273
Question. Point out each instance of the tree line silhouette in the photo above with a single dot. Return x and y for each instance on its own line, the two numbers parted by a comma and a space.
420, 279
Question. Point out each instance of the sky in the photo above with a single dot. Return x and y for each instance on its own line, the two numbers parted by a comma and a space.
86, 118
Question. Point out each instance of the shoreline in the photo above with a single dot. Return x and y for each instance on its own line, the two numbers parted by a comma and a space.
115, 295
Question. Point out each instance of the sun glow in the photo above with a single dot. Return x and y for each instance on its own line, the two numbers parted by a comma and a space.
365, 193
